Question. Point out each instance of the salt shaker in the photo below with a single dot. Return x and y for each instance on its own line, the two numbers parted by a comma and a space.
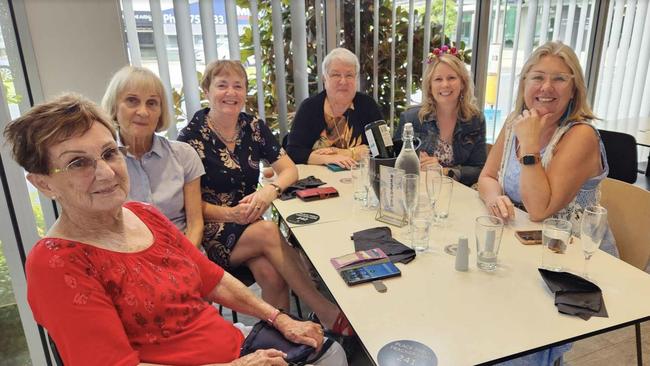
462, 254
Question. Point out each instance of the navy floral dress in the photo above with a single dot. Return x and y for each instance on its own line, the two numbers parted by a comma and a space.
229, 176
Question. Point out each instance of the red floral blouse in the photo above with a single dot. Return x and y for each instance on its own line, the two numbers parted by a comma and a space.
108, 308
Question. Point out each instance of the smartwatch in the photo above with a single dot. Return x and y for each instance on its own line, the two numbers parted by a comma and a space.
529, 159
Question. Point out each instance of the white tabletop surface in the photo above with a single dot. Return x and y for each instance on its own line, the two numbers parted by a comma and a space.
464, 317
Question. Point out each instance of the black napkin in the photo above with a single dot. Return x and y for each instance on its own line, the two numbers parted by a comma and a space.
575, 295
381, 237
304, 183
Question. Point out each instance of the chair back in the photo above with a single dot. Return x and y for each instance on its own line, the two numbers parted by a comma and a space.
628, 213
621, 155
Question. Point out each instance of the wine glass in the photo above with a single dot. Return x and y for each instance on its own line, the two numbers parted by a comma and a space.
410, 186
433, 180
592, 229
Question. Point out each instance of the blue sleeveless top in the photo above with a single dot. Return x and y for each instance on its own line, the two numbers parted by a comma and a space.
589, 193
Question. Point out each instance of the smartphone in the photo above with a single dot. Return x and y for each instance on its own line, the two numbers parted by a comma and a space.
529, 237
369, 273
335, 168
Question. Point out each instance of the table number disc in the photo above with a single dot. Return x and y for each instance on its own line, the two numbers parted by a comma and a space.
302, 218
406, 353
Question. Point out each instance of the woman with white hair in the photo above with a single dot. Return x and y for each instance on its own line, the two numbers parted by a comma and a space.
328, 127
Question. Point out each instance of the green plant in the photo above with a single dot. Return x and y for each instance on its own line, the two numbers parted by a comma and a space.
8, 85
264, 18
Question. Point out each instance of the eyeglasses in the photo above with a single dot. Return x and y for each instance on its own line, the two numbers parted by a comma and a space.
336, 77
85, 166
537, 78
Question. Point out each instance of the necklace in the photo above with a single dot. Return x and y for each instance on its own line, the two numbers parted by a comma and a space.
223, 138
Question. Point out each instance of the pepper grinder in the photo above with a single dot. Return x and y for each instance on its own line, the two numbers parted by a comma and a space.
462, 254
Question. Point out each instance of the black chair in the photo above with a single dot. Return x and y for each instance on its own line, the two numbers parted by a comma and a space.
621, 155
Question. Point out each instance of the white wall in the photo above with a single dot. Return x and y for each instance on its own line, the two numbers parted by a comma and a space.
78, 44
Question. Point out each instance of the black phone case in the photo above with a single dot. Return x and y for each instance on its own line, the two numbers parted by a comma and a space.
363, 274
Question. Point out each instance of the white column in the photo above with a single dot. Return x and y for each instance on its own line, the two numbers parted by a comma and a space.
257, 50
546, 9
233, 30
529, 34
299, 45
206, 10
568, 34
163, 64
426, 43
280, 78
131, 32
409, 53
557, 23
187, 57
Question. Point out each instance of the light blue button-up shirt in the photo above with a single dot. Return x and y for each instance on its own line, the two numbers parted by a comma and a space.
160, 175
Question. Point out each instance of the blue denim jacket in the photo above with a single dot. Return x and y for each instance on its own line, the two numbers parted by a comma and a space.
468, 142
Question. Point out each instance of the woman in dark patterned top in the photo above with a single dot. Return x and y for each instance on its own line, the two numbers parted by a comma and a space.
231, 144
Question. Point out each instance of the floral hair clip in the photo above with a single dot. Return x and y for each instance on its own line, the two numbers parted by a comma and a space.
444, 49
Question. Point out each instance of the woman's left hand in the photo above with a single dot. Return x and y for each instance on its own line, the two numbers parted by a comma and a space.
427, 160
303, 332
258, 202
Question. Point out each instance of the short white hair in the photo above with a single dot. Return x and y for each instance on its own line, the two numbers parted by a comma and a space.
341, 54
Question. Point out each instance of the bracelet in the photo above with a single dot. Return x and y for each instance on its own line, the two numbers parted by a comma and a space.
271, 320
278, 189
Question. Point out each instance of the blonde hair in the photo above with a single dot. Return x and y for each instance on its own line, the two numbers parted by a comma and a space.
466, 102
580, 110
135, 77
224, 67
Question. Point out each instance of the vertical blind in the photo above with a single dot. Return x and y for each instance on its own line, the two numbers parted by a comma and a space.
516, 28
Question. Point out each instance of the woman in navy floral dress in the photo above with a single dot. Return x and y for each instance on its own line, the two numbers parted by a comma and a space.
231, 144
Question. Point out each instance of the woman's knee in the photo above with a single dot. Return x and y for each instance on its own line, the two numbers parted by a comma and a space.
266, 275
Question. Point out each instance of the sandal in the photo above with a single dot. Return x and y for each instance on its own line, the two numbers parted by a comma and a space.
340, 328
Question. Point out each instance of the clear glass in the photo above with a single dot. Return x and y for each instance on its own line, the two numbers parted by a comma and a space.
433, 176
488, 231
359, 173
592, 230
443, 202
410, 188
421, 226
555, 238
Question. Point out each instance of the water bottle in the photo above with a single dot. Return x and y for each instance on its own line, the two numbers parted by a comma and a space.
462, 254
379, 139
408, 160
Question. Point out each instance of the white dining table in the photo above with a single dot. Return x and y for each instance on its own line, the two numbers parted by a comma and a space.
466, 318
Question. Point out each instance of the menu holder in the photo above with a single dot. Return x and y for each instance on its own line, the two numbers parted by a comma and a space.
391, 210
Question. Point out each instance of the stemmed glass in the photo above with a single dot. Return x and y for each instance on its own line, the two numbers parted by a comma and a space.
410, 186
592, 231
433, 180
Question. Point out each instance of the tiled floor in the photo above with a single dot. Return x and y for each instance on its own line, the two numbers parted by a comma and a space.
613, 348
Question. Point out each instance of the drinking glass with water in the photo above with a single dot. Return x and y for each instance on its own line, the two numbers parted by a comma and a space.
488, 231
555, 238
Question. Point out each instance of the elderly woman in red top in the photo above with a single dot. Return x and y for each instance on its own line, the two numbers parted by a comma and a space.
117, 283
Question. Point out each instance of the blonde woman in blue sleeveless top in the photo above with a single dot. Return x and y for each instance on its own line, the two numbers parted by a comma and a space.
548, 159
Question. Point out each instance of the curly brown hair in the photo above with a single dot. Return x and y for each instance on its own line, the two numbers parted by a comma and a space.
45, 125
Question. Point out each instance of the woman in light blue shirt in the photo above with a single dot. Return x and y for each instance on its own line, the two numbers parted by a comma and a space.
162, 172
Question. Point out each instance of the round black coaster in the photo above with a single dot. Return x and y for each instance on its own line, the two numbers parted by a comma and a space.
406, 353
302, 218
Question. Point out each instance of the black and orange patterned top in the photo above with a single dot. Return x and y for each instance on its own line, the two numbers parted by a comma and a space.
229, 176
